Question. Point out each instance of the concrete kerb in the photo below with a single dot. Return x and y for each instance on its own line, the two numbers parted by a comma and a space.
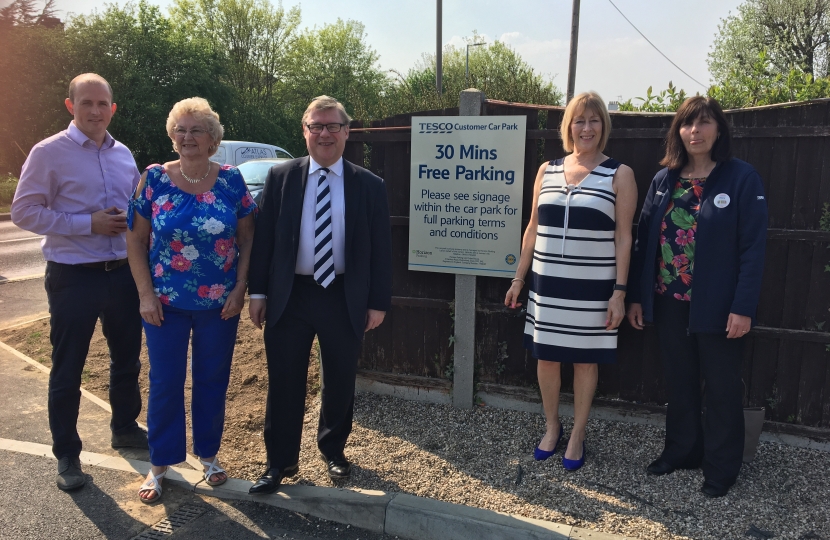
405, 516
6, 216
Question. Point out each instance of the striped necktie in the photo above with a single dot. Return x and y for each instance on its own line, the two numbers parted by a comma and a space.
323, 254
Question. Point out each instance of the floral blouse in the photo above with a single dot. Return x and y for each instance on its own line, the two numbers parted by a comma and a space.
193, 251
676, 261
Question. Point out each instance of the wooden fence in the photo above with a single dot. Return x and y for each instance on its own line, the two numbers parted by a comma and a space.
787, 357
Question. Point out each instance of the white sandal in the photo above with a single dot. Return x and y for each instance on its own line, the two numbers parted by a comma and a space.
213, 468
153, 484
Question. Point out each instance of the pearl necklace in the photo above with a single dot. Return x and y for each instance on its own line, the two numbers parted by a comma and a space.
194, 180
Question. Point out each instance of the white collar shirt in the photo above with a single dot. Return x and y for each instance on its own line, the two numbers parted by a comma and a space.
305, 253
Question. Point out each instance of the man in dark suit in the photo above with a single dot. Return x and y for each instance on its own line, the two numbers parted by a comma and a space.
321, 265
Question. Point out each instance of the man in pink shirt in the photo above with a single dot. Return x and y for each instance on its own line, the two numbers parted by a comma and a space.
73, 189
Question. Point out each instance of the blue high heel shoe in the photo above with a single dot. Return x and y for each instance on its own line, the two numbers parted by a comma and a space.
542, 455
574, 464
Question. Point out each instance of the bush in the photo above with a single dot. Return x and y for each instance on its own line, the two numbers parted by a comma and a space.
8, 184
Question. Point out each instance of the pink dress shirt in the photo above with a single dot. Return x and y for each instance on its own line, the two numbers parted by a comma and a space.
64, 180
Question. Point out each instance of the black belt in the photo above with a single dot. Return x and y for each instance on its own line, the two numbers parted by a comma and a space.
309, 280
104, 265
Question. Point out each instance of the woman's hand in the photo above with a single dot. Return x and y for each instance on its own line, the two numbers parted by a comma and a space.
150, 309
635, 316
616, 310
235, 301
513, 294
737, 326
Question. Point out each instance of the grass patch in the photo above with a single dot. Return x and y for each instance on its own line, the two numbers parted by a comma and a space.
33, 338
8, 184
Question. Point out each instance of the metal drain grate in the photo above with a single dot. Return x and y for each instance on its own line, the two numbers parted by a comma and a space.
167, 526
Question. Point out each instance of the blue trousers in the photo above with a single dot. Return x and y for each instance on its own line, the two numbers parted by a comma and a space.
212, 350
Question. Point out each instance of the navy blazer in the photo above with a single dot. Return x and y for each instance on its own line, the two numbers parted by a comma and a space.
368, 274
729, 246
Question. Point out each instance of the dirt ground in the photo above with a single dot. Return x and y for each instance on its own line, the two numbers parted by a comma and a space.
243, 451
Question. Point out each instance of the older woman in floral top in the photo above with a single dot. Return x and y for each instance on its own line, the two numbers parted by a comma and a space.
189, 245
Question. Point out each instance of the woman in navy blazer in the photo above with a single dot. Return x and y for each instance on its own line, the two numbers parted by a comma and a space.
702, 229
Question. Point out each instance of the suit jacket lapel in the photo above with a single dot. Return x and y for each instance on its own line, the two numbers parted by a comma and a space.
351, 194
297, 179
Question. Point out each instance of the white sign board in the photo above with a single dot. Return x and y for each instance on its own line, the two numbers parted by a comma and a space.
465, 195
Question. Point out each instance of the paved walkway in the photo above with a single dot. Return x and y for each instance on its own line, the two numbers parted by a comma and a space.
108, 507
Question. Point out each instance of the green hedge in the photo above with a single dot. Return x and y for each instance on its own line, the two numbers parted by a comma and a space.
8, 184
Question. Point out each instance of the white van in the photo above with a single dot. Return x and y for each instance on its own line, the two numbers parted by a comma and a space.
236, 152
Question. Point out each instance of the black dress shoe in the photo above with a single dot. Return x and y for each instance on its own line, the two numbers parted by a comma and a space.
659, 467
338, 467
70, 476
133, 438
712, 490
270, 480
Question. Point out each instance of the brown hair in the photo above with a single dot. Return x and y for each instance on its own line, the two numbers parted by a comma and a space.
322, 103
87, 78
692, 109
579, 104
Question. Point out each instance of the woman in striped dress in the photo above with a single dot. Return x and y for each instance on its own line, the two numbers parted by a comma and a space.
577, 248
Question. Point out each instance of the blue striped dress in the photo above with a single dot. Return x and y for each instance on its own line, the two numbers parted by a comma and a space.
574, 268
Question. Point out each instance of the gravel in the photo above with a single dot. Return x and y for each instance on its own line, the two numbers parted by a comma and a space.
483, 458
474, 457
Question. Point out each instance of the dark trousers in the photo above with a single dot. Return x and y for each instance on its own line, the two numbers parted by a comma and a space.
311, 310
78, 297
714, 440
213, 340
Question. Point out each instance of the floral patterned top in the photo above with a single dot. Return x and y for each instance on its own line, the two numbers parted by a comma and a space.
676, 261
193, 251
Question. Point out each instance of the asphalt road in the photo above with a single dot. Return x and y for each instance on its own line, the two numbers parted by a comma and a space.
107, 507
20, 254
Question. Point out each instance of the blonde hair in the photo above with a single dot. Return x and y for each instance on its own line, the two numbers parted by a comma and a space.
85, 78
577, 106
322, 103
199, 109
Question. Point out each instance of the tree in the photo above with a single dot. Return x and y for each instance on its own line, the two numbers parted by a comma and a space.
763, 87
150, 65
33, 60
251, 39
23, 13
495, 69
335, 60
794, 33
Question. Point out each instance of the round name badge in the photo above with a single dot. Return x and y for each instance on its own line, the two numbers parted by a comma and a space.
722, 200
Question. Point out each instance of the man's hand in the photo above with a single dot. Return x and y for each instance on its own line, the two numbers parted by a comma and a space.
110, 221
256, 308
373, 319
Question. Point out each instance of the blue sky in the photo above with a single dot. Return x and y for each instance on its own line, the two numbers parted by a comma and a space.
613, 59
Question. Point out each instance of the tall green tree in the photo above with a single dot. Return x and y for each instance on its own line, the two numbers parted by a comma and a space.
150, 65
252, 39
335, 60
795, 34
32, 60
496, 69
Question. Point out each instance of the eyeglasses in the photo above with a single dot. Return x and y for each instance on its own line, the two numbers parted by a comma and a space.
318, 128
195, 132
